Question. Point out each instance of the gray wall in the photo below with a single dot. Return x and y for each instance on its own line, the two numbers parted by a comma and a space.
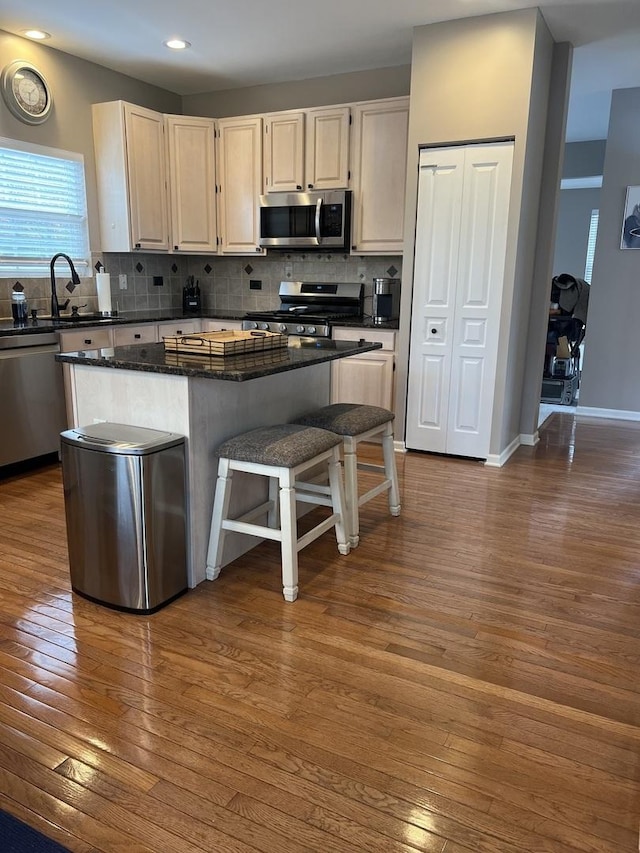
572, 235
508, 58
584, 159
75, 84
315, 92
581, 160
610, 378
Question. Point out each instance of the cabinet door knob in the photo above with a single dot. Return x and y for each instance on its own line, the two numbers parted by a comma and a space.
137, 335
310, 186
87, 340
434, 331
298, 187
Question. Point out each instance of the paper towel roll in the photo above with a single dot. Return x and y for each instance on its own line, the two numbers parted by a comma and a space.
103, 285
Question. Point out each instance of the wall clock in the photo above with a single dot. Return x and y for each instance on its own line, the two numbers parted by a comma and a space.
26, 92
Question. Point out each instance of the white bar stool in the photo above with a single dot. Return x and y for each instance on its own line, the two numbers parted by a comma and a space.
358, 422
282, 453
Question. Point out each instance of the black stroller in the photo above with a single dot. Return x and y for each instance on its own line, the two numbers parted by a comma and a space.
565, 333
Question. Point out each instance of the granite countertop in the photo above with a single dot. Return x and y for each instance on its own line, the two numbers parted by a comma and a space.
47, 324
44, 324
153, 358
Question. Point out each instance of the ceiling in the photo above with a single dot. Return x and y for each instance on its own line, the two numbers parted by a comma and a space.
238, 43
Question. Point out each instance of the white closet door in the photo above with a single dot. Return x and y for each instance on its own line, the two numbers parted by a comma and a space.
434, 293
463, 204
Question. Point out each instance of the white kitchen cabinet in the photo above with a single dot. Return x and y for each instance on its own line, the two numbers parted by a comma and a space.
284, 152
221, 325
131, 177
239, 167
378, 175
87, 338
307, 150
192, 184
178, 327
143, 333
366, 378
461, 240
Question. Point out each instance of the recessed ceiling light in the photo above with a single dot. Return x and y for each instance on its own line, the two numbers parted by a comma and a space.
35, 34
177, 44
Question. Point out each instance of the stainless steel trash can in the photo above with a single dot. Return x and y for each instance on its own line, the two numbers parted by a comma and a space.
125, 507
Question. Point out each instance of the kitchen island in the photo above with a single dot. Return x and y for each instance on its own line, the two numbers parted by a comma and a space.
206, 399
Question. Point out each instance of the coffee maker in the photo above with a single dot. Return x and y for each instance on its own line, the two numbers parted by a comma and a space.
386, 300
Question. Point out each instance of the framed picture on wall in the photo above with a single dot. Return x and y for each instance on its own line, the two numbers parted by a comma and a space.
631, 220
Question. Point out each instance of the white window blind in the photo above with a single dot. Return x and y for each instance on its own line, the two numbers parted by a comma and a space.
43, 209
591, 245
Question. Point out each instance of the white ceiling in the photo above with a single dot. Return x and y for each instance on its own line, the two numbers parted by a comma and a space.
239, 43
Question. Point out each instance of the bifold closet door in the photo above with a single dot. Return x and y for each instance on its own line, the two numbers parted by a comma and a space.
461, 229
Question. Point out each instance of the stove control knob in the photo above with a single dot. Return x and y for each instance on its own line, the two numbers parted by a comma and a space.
311, 330
282, 327
264, 326
300, 330
250, 324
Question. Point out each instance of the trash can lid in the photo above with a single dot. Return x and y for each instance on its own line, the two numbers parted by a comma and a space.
121, 438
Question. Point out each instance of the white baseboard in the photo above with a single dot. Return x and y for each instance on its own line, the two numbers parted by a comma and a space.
613, 414
498, 460
399, 447
530, 440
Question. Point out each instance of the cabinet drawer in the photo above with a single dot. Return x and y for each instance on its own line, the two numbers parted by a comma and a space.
125, 335
178, 327
85, 339
221, 325
386, 337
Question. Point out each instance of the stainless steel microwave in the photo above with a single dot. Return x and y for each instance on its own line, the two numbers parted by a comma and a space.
313, 220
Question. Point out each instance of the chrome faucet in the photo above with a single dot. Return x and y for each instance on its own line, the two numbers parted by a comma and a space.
75, 278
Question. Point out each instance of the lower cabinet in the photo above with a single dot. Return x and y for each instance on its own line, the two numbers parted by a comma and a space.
145, 333
178, 327
82, 339
366, 378
221, 325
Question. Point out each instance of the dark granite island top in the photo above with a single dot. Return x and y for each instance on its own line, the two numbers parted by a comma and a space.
153, 358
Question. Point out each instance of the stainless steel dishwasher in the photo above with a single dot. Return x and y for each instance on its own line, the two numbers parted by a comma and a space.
32, 395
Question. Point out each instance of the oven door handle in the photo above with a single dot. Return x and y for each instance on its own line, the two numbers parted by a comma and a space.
318, 206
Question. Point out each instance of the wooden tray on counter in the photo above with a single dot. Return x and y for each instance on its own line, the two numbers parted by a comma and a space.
225, 343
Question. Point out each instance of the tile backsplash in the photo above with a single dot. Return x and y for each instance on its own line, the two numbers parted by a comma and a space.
155, 281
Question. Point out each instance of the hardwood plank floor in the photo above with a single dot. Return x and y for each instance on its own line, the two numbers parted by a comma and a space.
464, 681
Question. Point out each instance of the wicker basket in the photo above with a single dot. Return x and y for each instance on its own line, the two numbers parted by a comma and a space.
225, 343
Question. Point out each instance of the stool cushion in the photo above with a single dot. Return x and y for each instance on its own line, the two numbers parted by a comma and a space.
346, 418
284, 445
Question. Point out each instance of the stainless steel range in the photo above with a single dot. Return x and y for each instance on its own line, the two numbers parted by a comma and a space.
309, 308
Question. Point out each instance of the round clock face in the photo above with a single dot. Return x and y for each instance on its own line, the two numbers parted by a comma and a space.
26, 92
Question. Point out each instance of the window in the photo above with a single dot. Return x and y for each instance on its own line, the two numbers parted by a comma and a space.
43, 209
591, 245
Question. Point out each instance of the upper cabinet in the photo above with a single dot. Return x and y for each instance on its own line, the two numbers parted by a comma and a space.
156, 179
379, 170
239, 184
131, 176
170, 183
306, 150
192, 208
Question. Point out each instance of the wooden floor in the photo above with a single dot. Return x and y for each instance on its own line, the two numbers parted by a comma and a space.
466, 680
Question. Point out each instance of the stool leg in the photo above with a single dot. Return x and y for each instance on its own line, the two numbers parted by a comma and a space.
220, 513
289, 534
338, 501
351, 490
391, 471
273, 516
